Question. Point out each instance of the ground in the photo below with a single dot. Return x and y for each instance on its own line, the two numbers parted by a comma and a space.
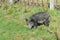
13, 26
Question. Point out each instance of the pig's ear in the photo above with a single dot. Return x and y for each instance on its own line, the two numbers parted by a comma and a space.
26, 19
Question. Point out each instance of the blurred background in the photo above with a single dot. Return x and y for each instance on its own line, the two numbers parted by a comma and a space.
13, 25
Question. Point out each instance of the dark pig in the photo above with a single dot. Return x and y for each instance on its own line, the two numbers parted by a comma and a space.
38, 18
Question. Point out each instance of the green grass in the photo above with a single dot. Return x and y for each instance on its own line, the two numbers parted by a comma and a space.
13, 26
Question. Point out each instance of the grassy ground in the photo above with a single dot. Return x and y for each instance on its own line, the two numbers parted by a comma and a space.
13, 26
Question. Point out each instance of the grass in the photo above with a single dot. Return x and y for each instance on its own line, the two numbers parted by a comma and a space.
13, 26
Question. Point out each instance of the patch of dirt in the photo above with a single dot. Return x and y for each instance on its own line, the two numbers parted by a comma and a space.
9, 17
18, 37
58, 34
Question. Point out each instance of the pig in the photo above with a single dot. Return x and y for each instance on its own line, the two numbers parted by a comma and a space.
38, 19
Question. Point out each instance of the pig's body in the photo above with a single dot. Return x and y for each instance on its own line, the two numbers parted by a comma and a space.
40, 17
